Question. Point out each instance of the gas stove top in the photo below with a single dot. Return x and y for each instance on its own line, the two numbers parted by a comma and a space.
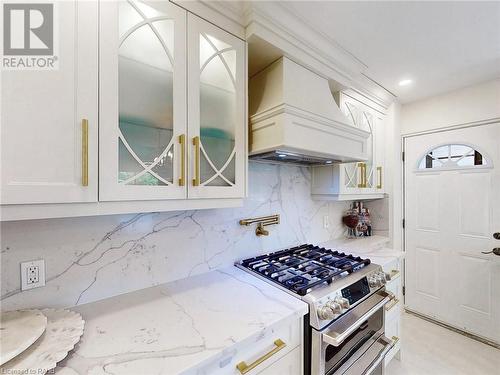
303, 268
331, 282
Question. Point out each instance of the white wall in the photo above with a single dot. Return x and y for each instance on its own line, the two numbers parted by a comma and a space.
468, 105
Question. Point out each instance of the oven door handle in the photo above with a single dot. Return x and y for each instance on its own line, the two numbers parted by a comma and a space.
337, 338
389, 344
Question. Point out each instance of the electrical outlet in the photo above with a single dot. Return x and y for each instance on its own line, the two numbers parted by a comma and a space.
32, 274
326, 222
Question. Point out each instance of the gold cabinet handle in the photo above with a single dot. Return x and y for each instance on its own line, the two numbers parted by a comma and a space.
365, 179
379, 173
244, 368
391, 304
85, 152
182, 141
196, 144
361, 175
395, 340
394, 274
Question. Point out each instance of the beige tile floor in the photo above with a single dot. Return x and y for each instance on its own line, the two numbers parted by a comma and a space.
428, 348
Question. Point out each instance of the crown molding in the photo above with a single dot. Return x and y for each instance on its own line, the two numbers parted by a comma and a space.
275, 23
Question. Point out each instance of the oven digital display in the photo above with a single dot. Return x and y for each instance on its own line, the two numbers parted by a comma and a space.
356, 291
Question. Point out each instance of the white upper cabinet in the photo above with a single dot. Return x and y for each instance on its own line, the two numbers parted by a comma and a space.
362, 180
216, 111
146, 112
142, 132
169, 130
49, 118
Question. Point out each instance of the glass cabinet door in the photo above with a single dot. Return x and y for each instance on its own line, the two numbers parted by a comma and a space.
216, 111
367, 123
361, 176
143, 100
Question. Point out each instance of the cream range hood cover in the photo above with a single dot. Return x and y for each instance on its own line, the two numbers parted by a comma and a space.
294, 118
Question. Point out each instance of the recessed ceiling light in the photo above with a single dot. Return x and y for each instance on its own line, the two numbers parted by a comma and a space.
405, 82
282, 155
328, 162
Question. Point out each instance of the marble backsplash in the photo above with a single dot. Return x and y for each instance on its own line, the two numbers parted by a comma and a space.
91, 258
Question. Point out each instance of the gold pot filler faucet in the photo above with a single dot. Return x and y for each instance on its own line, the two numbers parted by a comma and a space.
262, 222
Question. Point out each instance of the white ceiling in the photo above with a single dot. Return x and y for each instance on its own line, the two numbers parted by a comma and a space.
441, 46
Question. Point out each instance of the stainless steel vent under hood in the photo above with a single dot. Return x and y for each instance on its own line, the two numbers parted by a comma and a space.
280, 156
294, 118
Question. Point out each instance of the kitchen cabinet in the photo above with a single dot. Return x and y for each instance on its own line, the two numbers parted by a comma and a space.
290, 364
362, 180
394, 309
168, 131
278, 350
216, 111
147, 112
49, 129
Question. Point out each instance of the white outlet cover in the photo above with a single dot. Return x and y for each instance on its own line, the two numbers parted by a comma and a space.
40, 263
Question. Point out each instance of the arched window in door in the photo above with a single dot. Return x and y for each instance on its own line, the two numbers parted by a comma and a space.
453, 156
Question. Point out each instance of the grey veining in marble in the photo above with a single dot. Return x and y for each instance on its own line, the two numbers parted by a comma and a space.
91, 258
183, 325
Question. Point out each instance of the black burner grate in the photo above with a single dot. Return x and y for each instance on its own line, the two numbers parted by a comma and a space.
302, 268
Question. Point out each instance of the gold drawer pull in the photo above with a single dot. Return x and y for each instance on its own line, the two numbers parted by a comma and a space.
244, 368
394, 274
379, 172
85, 152
182, 141
391, 304
196, 144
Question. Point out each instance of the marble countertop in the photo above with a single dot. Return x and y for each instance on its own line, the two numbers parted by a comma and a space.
374, 247
175, 327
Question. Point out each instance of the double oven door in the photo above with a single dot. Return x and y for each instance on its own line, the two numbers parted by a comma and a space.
355, 344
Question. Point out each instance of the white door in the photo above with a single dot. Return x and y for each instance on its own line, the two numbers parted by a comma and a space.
142, 133
44, 116
216, 111
452, 209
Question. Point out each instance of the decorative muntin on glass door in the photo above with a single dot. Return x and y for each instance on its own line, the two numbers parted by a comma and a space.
216, 111
360, 176
143, 64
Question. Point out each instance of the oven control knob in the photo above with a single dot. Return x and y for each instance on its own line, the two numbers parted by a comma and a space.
325, 313
344, 302
335, 307
381, 277
373, 282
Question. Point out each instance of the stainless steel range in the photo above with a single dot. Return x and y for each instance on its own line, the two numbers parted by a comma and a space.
344, 330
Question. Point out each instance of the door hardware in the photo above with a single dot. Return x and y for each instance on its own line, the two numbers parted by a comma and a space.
496, 236
495, 251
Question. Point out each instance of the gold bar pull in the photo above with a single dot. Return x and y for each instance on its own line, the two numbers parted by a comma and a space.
182, 141
244, 368
85, 152
196, 144
361, 175
379, 172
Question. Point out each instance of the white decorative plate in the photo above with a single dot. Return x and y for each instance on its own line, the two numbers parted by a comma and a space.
18, 330
64, 329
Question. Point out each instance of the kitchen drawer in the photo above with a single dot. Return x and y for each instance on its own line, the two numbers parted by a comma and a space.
265, 346
290, 364
394, 286
393, 324
393, 331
